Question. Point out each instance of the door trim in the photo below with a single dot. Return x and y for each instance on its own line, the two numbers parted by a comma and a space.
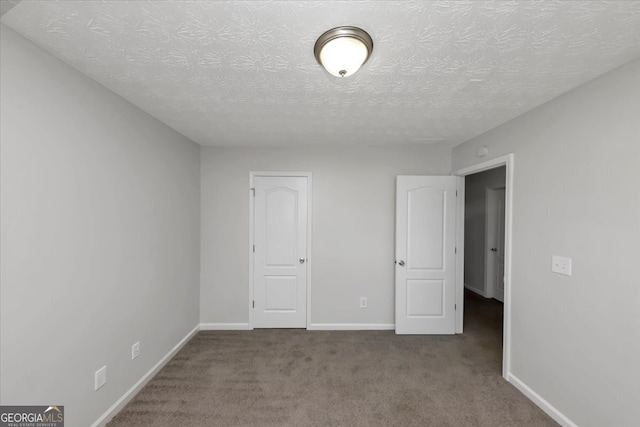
309, 261
507, 161
460, 255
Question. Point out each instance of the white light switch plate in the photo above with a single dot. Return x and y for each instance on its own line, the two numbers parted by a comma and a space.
561, 265
135, 350
101, 377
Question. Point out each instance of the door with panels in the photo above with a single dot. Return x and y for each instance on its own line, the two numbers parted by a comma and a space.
426, 254
495, 241
280, 251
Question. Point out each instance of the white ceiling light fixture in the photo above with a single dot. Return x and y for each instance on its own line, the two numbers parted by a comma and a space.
343, 50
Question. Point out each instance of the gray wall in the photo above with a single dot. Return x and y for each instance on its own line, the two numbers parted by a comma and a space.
352, 235
475, 205
576, 340
100, 236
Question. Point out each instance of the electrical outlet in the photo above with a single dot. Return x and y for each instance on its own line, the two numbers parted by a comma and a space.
135, 350
363, 302
561, 265
101, 377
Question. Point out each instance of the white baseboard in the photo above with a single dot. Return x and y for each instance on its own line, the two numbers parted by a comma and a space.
312, 327
475, 290
351, 326
224, 327
552, 411
129, 394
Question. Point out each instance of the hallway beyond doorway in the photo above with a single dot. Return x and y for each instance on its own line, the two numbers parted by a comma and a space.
483, 319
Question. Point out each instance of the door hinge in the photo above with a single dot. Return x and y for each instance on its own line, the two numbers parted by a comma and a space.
253, 192
455, 251
456, 193
254, 248
253, 304
455, 306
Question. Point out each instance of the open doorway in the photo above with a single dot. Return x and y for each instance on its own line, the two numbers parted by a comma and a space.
484, 231
475, 303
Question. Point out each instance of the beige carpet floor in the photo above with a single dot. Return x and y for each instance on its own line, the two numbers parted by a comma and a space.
338, 378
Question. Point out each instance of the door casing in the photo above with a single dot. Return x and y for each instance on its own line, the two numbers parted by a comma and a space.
309, 259
507, 161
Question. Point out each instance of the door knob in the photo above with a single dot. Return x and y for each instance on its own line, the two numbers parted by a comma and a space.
302, 260
401, 263
494, 249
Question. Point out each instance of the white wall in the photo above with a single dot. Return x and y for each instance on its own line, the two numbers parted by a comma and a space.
475, 216
352, 235
100, 236
576, 340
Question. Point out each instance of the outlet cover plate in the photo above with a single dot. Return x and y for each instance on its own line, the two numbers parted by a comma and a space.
561, 265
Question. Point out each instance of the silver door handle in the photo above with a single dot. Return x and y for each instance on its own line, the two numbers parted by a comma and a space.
400, 263
302, 260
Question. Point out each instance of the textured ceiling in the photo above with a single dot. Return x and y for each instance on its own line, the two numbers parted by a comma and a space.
228, 73
7, 5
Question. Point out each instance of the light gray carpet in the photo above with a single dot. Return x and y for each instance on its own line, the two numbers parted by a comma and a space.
338, 378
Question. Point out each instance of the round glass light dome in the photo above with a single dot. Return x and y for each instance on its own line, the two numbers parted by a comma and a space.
343, 50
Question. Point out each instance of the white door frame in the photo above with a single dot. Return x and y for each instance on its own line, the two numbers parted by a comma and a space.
508, 161
309, 261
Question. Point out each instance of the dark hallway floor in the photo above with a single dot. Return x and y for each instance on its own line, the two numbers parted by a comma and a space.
483, 319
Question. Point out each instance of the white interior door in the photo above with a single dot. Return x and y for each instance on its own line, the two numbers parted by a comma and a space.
425, 254
495, 227
280, 268
498, 249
